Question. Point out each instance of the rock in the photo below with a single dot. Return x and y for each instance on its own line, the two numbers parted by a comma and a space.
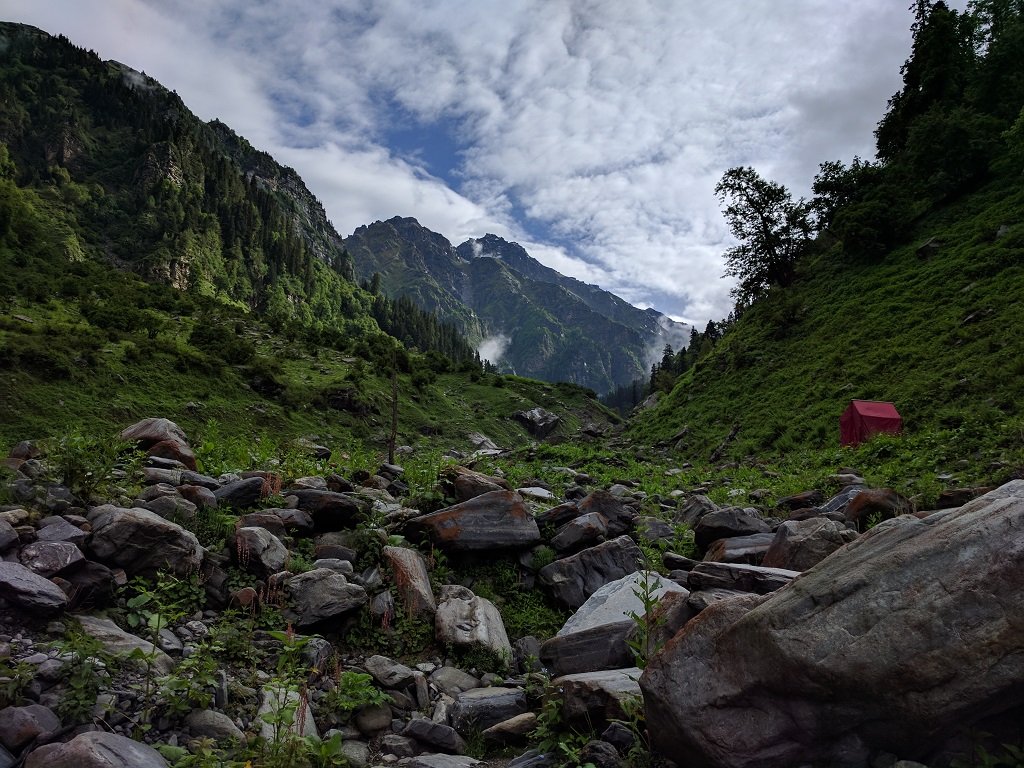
594, 638
515, 730
745, 578
117, 641
49, 558
399, 746
701, 599
212, 724
538, 422
172, 507
466, 484
412, 580
620, 516
917, 622
594, 699
800, 544
96, 749
388, 672
696, 507
89, 585
533, 758
28, 590
441, 761
151, 431
436, 735
200, 497
330, 510
601, 754
453, 681
142, 542
274, 700
355, 753
803, 500
536, 492
726, 523
468, 622
175, 450
740, 549
260, 551
495, 520
195, 478
240, 494
483, 707
573, 579
373, 719
875, 504
581, 531
62, 530
321, 594
19, 725
8, 536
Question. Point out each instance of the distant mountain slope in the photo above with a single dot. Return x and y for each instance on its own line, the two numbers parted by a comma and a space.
531, 319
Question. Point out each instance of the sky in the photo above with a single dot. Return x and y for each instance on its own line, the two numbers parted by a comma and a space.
592, 132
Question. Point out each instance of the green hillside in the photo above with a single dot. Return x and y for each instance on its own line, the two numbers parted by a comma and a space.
911, 290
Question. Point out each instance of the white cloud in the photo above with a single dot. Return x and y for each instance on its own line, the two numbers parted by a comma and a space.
599, 126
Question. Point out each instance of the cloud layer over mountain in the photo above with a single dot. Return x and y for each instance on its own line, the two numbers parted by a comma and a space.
591, 131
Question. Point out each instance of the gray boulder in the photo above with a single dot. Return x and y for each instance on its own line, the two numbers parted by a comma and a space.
436, 735
595, 637
142, 542
740, 549
330, 510
466, 484
538, 422
495, 520
96, 749
48, 558
468, 622
321, 594
573, 579
738, 576
19, 725
29, 590
582, 531
260, 551
800, 544
917, 622
726, 523
240, 494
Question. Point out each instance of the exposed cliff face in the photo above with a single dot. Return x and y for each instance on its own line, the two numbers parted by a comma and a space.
551, 326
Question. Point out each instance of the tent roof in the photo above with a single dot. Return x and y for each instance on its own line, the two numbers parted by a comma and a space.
875, 408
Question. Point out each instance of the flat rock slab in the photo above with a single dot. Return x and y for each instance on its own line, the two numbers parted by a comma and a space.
481, 708
740, 549
441, 761
48, 558
494, 520
117, 641
29, 590
744, 578
96, 749
435, 735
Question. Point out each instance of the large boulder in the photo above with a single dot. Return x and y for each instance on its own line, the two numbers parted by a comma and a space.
96, 749
619, 516
538, 421
467, 484
470, 623
573, 579
494, 520
902, 638
726, 523
595, 637
142, 542
591, 700
260, 551
330, 510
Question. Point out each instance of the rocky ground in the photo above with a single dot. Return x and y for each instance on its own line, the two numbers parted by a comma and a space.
253, 619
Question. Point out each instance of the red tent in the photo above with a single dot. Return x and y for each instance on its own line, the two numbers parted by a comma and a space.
864, 418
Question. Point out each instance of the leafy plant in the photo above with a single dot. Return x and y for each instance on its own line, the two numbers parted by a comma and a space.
14, 679
352, 690
643, 643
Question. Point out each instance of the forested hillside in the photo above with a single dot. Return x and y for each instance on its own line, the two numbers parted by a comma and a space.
902, 279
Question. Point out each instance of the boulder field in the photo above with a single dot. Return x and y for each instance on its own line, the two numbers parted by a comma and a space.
787, 635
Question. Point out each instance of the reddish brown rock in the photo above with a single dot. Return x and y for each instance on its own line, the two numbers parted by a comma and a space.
495, 520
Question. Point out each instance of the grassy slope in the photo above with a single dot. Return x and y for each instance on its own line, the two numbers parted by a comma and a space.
937, 336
